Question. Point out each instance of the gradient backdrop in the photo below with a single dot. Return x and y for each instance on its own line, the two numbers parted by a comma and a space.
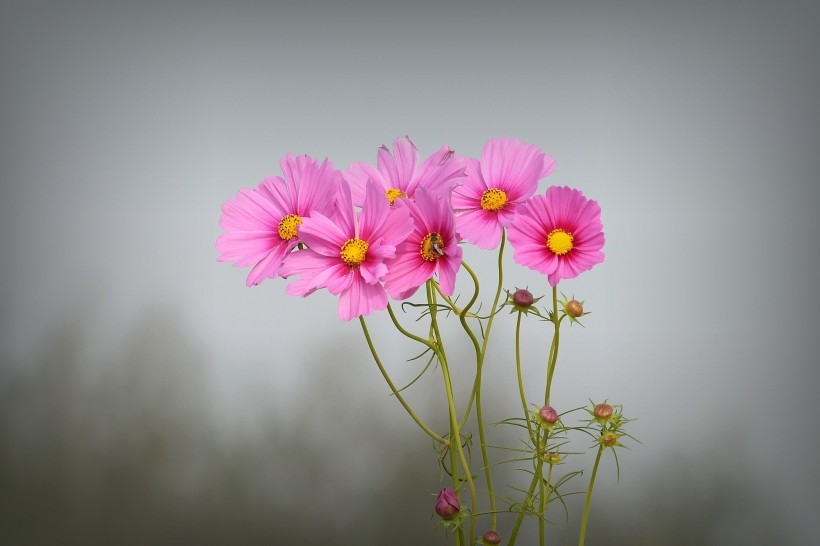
149, 396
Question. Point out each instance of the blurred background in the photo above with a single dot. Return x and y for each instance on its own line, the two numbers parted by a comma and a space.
147, 396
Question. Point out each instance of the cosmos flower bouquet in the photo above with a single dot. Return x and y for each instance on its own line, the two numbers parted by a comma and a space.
375, 234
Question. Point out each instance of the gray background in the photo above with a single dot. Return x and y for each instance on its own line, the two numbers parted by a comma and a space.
148, 396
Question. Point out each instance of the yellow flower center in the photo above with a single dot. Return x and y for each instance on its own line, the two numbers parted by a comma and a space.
287, 226
393, 194
432, 247
353, 252
493, 199
559, 241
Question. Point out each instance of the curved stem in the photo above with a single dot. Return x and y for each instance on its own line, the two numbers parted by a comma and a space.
585, 518
479, 357
479, 368
401, 329
393, 388
455, 430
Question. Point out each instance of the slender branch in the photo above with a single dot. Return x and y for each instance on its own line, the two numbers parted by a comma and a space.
585, 518
393, 388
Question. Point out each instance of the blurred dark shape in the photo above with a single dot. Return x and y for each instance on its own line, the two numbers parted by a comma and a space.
128, 450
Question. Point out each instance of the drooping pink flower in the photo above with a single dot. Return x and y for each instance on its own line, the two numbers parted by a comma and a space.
347, 252
507, 175
558, 234
431, 247
261, 223
399, 175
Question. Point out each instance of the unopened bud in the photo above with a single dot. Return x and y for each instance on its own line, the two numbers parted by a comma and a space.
552, 458
609, 439
491, 537
447, 504
548, 415
575, 308
523, 297
602, 412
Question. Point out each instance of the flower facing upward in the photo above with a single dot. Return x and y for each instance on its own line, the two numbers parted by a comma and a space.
399, 175
431, 247
506, 176
261, 223
558, 234
346, 253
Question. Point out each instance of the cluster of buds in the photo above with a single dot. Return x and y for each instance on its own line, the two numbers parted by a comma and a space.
611, 419
523, 301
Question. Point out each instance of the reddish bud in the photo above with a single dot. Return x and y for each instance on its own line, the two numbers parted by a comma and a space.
575, 308
447, 504
602, 412
548, 415
523, 298
491, 537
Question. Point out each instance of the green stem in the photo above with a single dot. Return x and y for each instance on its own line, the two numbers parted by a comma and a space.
553, 354
520, 377
401, 329
455, 430
478, 408
585, 518
393, 388
536, 477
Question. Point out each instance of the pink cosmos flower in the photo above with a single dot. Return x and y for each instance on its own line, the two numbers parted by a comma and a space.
347, 252
260, 223
431, 247
507, 175
399, 175
559, 234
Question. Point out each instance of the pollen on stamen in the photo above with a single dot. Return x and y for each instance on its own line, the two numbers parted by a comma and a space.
432, 247
393, 194
353, 252
493, 199
288, 225
559, 241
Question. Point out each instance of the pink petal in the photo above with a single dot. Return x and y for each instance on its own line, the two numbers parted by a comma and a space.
360, 299
268, 267
447, 269
406, 157
480, 227
357, 176
374, 213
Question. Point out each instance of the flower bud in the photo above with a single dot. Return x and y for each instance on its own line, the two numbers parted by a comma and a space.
552, 458
523, 297
548, 415
609, 439
575, 308
447, 504
491, 537
602, 412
